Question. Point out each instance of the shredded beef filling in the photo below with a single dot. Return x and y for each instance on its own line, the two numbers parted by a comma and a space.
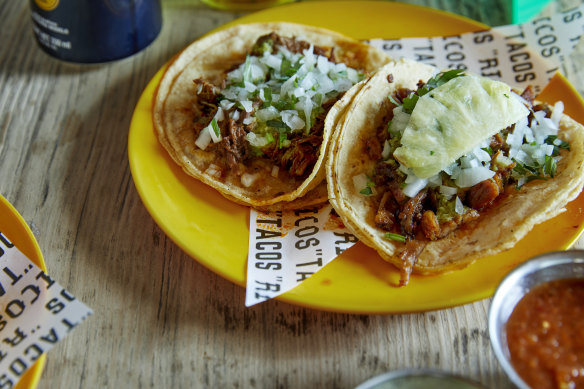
235, 152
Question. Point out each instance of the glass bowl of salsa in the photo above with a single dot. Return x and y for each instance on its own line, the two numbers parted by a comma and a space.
536, 322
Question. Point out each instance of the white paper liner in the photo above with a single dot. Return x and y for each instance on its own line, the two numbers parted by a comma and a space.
35, 313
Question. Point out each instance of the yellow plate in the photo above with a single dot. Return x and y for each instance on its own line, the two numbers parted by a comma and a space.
15, 228
215, 231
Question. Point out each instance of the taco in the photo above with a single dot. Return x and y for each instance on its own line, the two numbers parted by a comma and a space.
437, 170
248, 110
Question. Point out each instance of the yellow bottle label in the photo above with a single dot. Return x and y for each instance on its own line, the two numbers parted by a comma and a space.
47, 5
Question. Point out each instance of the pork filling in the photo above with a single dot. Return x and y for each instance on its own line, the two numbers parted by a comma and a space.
416, 212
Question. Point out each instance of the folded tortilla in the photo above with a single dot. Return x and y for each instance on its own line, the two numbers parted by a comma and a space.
209, 59
497, 229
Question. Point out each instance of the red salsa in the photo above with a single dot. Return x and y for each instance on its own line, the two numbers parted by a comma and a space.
545, 334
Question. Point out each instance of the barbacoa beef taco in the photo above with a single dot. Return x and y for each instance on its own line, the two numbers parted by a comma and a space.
437, 170
248, 110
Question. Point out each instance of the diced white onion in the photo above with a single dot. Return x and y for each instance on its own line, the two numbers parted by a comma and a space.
400, 120
386, 150
323, 64
213, 170
256, 140
557, 112
275, 170
216, 138
415, 186
257, 72
272, 61
472, 176
481, 155
247, 105
268, 113
248, 179
448, 191
299, 92
360, 182
502, 160
308, 110
226, 104
434, 181
204, 139
249, 86
340, 67
219, 116
325, 84
343, 85
292, 120
308, 81
458, 207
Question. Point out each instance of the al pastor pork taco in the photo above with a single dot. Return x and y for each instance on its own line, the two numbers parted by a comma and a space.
437, 170
248, 110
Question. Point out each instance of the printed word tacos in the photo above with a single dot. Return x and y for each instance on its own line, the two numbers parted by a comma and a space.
437, 170
248, 110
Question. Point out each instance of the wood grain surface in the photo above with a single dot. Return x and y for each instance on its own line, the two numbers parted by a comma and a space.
160, 319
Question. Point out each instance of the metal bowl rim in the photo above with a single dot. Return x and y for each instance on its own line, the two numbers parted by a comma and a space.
413, 372
531, 266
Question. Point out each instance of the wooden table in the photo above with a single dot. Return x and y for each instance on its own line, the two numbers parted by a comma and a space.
161, 319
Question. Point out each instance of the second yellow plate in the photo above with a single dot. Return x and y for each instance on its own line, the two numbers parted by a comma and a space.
215, 231
13, 226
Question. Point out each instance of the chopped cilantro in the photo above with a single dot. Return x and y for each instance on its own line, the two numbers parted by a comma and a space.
367, 191
267, 97
394, 101
276, 124
394, 236
409, 102
247, 75
557, 143
550, 166
215, 128
283, 138
288, 69
283, 105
